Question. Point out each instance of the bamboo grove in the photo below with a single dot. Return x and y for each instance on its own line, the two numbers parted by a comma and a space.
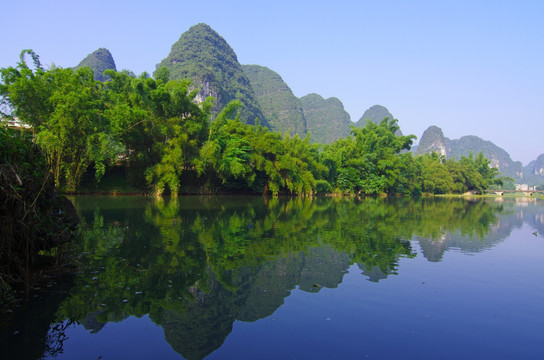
166, 142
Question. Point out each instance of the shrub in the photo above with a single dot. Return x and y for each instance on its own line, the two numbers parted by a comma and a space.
32, 218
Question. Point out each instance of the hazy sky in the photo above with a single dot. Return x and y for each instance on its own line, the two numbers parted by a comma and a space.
469, 67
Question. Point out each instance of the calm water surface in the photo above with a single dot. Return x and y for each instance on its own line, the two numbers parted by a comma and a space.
254, 278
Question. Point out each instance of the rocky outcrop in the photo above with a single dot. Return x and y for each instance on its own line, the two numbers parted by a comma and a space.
498, 157
433, 140
536, 167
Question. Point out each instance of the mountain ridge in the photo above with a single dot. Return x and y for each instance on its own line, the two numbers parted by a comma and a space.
202, 55
326, 119
281, 108
433, 139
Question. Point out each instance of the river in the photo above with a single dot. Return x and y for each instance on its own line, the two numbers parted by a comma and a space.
293, 278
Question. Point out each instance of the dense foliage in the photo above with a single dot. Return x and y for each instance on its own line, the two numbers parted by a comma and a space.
153, 127
281, 108
32, 218
164, 141
205, 58
242, 157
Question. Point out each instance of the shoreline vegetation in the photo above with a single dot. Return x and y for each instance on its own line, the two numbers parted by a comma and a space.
35, 223
166, 141
148, 135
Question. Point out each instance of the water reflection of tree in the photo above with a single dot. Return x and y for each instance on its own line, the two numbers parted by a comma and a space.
198, 264
471, 226
33, 332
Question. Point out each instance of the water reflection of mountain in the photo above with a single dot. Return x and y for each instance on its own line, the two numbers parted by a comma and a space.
532, 214
373, 273
514, 212
201, 326
320, 267
198, 264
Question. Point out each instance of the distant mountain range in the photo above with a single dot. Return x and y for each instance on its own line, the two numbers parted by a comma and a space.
433, 140
206, 58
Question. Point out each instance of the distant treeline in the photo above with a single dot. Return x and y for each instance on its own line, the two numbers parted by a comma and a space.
165, 141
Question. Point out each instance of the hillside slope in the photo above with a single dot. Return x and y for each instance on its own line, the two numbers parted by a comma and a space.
99, 61
326, 119
205, 58
281, 108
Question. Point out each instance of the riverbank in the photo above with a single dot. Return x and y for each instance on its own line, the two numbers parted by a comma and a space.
35, 222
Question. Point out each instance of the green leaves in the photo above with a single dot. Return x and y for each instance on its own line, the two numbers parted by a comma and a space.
369, 161
155, 129
79, 122
103, 150
244, 157
65, 110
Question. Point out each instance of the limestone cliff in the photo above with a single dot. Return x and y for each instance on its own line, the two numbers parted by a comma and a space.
433, 140
534, 171
536, 167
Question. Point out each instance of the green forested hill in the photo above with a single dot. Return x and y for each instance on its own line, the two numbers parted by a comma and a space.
534, 171
99, 61
499, 157
205, 58
326, 119
376, 114
154, 132
536, 167
281, 108
434, 140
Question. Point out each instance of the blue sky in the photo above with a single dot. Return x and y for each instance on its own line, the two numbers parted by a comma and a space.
469, 67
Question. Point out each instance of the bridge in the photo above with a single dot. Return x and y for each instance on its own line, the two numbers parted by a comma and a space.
524, 192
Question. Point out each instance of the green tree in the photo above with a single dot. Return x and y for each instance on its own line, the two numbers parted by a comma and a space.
66, 111
161, 126
436, 177
238, 156
369, 162
467, 173
225, 157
